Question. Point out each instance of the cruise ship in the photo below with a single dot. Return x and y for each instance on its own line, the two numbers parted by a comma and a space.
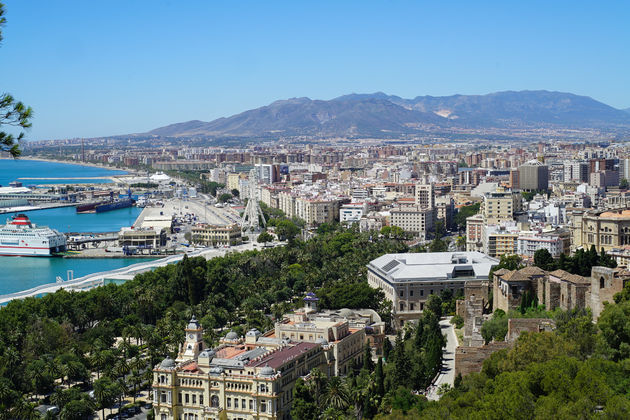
20, 237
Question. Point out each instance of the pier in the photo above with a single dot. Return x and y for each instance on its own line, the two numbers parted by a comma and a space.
119, 275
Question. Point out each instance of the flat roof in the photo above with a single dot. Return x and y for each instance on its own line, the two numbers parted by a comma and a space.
432, 266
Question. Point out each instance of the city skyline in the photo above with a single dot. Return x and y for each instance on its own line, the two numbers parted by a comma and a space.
96, 70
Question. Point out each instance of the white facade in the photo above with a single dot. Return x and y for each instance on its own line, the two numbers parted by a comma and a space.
530, 242
352, 212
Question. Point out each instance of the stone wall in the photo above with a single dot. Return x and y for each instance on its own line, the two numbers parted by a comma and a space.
473, 319
516, 326
605, 282
470, 359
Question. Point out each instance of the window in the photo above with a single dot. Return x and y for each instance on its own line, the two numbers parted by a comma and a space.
402, 293
411, 292
411, 306
229, 403
201, 399
251, 404
186, 397
235, 402
194, 399
263, 406
163, 396
402, 306
214, 401
602, 282
243, 404
421, 292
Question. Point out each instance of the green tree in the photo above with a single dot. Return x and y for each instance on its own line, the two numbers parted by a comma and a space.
496, 327
544, 260
235, 192
303, 406
336, 394
12, 113
463, 213
286, 229
264, 237
225, 197
438, 245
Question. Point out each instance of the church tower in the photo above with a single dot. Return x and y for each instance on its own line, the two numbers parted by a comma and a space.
193, 344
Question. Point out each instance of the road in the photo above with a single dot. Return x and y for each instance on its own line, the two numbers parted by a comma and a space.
447, 373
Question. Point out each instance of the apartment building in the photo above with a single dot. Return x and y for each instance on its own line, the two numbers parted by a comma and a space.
414, 219
500, 206
556, 242
576, 171
316, 211
425, 196
500, 239
474, 233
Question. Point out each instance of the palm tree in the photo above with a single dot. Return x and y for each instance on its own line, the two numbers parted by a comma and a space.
121, 368
336, 395
135, 379
318, 384
104, 393
24, 410
97, 361
460, 242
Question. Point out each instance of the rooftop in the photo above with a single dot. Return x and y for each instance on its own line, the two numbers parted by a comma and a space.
277, 358
433, 266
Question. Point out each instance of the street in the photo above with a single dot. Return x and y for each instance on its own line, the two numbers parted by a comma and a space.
447, 373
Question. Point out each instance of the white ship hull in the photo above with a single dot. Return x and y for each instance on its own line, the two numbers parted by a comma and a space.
20, 238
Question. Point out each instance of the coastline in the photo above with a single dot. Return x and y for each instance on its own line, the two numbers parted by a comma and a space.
88, 164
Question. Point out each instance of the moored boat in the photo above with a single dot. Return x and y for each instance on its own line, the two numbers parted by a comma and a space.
20, 237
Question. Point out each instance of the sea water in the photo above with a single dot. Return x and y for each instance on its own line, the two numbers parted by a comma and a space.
21, 273
15, 169
66, 219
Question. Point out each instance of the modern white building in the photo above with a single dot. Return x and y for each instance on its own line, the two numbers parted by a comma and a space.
409, 279
352, 212
531, 241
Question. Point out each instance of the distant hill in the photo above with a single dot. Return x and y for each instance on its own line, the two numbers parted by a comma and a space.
379, 114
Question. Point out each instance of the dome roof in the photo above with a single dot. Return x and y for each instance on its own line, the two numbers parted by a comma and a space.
253, 333
193, 324
208, 353
322, 341
346, 313
267, 371
231, 336
167, 363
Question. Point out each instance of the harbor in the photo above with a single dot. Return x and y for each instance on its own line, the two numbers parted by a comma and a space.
97, 248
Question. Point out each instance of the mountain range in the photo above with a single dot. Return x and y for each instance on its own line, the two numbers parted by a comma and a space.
379, 114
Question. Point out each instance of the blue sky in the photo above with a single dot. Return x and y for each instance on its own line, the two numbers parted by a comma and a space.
96, 68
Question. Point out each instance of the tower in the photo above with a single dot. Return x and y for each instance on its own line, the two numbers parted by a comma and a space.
193, 344
253, 210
